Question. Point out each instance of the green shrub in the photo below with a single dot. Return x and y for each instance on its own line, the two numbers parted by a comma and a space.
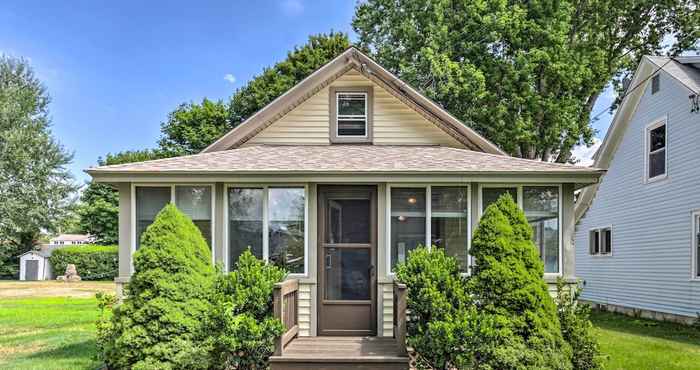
576, 328
162, 323
243, 326
93, 262
507, 286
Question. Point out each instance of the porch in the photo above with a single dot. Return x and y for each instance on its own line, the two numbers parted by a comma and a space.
337, 352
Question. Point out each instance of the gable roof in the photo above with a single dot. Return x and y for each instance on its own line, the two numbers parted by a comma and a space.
686, 70
352, 58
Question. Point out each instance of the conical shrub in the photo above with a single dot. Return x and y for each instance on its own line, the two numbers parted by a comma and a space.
507, 284
161, 323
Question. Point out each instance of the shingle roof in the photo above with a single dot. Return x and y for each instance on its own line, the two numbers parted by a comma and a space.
343, 159
685, 73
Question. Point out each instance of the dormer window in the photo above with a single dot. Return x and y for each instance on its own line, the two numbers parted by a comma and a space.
351, 114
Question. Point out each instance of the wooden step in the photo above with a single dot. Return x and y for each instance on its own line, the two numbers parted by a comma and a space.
340, 353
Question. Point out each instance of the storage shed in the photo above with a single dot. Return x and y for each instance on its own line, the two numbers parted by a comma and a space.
35, 265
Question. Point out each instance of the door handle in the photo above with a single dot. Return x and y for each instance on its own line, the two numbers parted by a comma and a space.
329, 262
371, 270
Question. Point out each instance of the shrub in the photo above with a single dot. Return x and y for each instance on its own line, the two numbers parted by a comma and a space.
162, 322
243, 326
576, 328
93, 262
508, 288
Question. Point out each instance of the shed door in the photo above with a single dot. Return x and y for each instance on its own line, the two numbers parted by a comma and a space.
31, 270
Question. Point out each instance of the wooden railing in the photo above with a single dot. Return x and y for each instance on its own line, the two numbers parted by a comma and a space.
400, 316
285, 299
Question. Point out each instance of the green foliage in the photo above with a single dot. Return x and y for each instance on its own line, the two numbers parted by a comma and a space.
507, 284
35, 184
576, 328
243, 326
98, 210
192, 127
93, 262
526, 74
162, 321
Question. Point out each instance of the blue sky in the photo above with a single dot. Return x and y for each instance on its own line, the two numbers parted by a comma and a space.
114, 69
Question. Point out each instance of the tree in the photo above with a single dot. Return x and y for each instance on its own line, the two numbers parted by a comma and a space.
507, 286
526, 74
192, 127
35, 184
99, 204
162, 322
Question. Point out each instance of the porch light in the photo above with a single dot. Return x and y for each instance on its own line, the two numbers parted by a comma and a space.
412, 200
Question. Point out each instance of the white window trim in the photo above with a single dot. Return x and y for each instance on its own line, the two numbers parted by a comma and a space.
600, 241
172, 200
428, 217
265, 221
661, 121
694, 224
519, 201
338, 116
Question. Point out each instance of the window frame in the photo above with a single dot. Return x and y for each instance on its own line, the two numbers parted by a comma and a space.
428, 218
172, 200
600, 230
694, 228
266, 221
333, 96
655, 83
519, 202
661, 121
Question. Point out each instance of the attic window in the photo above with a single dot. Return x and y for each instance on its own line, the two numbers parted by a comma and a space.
351, 115
655, 84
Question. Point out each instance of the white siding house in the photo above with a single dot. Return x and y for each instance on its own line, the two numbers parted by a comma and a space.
637, 232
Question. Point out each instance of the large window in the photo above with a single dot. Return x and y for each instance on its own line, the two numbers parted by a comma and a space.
351, 114
193, 200
271, 221
656, 151
696, 245
446, 208
541, 205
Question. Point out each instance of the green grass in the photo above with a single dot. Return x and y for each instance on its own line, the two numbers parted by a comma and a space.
48, 333
629, 343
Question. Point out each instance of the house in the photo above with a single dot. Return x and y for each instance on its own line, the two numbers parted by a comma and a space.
337, 180
638, 232
72, 239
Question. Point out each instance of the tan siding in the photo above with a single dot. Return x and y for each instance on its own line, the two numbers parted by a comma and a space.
395, 123
386, 304
305, 309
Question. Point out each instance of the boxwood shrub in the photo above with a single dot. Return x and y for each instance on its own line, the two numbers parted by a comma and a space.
93, 262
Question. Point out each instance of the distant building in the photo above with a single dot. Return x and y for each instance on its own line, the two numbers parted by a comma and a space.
72, 239
35, 265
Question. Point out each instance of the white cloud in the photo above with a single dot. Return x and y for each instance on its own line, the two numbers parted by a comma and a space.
292, 7
585, 154
230, 78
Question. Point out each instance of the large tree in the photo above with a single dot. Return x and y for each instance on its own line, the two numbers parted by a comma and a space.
99, 203
192, 127
526, 74
35, 184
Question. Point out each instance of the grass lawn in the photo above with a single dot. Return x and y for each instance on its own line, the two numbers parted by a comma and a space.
630, 343
48, 332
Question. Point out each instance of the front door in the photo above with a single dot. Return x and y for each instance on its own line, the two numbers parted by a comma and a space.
347, 239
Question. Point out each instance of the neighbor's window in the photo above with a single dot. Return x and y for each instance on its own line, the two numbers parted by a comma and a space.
448, 222
245, 223
656, 150
696, 243
600, 241
149, 201
407, 222
351, 114
195, 202
541, 206
277, 233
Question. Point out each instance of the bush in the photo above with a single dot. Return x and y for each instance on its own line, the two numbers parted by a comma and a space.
507, 286
162, 323
576, 328
243, 326
93, 262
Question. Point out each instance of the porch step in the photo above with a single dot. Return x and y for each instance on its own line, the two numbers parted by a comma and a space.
340, 353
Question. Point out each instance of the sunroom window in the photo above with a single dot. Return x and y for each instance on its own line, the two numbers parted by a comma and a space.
271, 222
541, 205
149, 201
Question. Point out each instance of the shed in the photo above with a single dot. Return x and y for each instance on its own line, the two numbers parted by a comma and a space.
35, 265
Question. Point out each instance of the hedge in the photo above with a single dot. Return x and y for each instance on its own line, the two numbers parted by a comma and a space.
93, 262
